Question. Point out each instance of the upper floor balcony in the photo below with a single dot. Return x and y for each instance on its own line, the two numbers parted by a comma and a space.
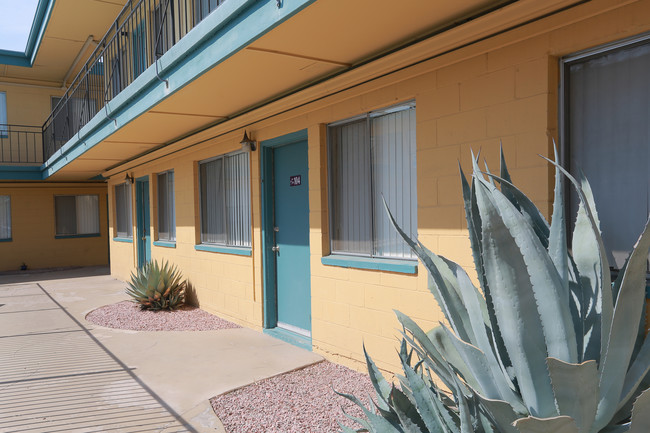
141, 34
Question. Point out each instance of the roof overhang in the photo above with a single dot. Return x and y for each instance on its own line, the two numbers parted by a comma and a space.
26, 58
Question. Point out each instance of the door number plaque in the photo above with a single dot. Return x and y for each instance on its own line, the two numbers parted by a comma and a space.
295, 180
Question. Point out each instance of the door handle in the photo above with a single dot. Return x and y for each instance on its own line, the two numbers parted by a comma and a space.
275, 248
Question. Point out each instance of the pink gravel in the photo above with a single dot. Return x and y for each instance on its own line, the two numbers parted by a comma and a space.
299, 401
127, 315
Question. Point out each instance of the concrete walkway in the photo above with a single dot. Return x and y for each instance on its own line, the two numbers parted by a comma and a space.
59, 373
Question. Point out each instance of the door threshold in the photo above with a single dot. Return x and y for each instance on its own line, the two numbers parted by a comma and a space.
290, 337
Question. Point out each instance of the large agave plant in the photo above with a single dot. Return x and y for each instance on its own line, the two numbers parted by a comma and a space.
156, 287
549, 343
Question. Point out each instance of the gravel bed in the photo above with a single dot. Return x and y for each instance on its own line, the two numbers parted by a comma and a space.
128, 315
299, 401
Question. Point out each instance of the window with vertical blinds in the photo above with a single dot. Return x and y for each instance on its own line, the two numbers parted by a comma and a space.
166, 211
5, 217
607, 133
373, 157
76, 215
123, 212
4, 129
225, 200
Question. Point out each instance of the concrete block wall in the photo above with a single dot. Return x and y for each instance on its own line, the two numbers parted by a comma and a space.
500, 91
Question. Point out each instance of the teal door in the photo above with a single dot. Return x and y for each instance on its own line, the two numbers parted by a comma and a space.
143, 236
291, 236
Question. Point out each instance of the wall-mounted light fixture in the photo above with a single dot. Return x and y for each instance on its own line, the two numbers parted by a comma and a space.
128, 179
247, 145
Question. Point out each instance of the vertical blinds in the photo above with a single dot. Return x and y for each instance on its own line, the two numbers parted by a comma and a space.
166, 210
225, 200
77, 214
609, 133
5, 217
3, 114
373, 159
123, 214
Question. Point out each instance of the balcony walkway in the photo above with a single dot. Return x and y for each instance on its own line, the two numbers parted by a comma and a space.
59, 373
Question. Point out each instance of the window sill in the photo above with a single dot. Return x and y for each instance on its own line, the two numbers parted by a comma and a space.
88, 235
390, 265
166, 244
129, 240
239, 251
6, 240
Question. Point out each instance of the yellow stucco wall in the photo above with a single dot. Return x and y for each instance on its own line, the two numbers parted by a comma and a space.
33, 228
501, 90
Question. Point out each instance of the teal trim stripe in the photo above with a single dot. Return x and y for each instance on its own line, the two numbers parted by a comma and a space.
290, 337
400, 266
238, 251
85, 235
166, 244
6, 240
20, 173
129, 240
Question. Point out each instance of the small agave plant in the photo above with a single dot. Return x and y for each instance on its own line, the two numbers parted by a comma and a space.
156, 287
549, 343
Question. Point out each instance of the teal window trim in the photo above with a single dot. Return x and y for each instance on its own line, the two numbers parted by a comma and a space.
239, 251
390, 265
6, 240
129, 240
165, 244
85, 235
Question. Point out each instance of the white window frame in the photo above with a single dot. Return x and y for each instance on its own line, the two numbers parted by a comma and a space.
79, 230
169, 205
406, 254
245, 221
126, 213
564, 113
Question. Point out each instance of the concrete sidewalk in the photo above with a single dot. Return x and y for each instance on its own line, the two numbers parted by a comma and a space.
59, 373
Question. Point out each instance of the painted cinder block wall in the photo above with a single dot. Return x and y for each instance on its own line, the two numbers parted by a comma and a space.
33, 228
500, 91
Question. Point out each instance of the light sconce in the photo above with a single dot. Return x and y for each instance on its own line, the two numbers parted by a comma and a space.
129, 179
247, 145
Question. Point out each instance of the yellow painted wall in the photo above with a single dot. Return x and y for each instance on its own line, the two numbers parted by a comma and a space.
502, 90
33, 228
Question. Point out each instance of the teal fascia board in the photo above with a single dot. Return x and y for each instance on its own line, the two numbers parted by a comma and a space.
6, 240
166, 244
89, 235
290, 337
226, 31
224, 249
8, 172
400, 266
127, 240
27, 58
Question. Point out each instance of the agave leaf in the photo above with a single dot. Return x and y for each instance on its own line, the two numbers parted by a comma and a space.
382, 387
558, 424
627, 314
424, 400
636, 374
410, 419
576, 390
378, 423
557, 243
346, 429
443, 343
499, 412
515, 307
641, 414
622, 428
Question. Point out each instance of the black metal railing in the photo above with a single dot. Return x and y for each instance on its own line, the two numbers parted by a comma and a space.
141, 34
21, 144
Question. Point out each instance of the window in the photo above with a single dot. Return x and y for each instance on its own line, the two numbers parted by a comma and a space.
225, 200
166, 211
370, 157
5, 217
76, 215
202, 8
123, 216
3, 115
606, 135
